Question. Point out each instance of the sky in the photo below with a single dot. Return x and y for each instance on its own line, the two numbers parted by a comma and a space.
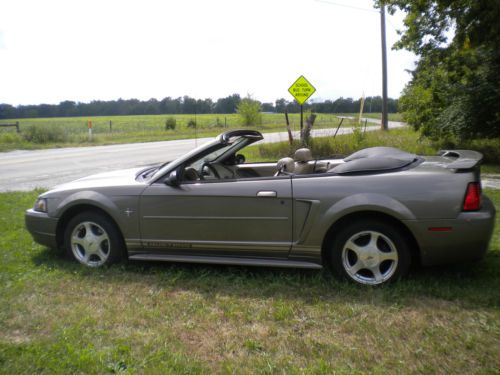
84, 50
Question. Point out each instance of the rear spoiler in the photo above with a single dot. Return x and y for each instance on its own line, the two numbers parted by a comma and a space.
465, 159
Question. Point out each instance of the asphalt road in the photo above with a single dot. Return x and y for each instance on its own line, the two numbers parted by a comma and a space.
29, 169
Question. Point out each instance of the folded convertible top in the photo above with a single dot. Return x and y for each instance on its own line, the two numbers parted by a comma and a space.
375, 159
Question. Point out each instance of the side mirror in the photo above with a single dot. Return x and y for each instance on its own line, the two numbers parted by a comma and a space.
173, 179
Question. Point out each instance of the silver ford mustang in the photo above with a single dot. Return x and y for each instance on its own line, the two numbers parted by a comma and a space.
367, 216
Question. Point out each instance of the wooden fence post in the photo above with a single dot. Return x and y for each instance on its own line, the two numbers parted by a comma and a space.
290, 136
338, 127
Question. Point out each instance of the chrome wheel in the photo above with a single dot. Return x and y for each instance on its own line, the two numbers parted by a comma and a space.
369, 257
90, 244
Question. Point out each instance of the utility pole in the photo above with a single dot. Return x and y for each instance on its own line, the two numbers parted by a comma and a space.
384, 69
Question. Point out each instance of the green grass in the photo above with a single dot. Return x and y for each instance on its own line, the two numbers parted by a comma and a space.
491, 168
73, 131
58, 317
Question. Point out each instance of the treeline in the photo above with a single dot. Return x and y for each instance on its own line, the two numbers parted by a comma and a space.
183, 105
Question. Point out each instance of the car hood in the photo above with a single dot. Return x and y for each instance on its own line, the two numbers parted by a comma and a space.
124, 177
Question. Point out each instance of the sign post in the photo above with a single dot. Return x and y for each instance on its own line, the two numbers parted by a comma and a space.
89, 125
301, 90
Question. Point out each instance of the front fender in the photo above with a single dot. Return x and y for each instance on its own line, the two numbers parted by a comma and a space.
91, 198
122, 209
101, 201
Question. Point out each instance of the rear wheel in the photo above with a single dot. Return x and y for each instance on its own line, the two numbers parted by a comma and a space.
93, 240
370, 253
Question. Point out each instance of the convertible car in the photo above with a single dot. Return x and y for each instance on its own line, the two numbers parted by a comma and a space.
367, 216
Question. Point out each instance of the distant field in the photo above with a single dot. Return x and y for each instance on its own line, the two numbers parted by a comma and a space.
73, 131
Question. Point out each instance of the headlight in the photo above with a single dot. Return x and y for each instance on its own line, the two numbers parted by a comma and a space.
40, 205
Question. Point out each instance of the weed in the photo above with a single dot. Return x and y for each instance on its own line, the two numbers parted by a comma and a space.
171, 123
49, 134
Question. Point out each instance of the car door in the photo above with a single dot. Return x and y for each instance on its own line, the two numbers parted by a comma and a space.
246, 217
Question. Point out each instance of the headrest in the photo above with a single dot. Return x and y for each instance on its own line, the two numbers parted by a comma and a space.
302, 155
286, 165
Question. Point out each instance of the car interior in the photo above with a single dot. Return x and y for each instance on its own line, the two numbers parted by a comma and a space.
223, 162
233, 166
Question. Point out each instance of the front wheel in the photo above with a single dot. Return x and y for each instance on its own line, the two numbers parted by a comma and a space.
370, 253
92, 240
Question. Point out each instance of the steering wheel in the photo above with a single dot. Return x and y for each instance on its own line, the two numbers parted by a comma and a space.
211, 170
191, 174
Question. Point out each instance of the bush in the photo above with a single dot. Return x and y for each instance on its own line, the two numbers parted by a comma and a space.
171, 123
217, 124
249, 111
45, 134
191, 124
10, 137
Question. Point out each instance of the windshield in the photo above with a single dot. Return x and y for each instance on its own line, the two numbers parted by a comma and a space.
219, 152
207, 152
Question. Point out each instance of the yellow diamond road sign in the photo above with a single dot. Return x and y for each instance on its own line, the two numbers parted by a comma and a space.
301, 90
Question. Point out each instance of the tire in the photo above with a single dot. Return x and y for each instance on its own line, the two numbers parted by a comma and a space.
93, 240
370, 253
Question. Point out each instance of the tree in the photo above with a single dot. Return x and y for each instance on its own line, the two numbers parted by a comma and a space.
249, 110
268, 107
152, 107
67, 108
204, 106
280, 105
228, 104
455, 87
186, 105
8, 111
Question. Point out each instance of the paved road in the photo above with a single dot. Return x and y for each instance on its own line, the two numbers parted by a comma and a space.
490, 180
27, 170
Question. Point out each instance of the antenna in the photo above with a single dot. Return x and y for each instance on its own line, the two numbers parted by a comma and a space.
384, 68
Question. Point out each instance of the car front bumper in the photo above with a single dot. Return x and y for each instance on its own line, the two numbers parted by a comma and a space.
465, 238
41, 227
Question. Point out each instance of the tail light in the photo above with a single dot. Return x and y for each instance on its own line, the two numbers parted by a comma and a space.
472, 201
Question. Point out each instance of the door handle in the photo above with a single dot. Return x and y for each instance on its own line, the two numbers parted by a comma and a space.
268, 194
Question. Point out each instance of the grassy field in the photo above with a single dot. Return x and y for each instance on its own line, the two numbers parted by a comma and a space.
73, 131
58, 317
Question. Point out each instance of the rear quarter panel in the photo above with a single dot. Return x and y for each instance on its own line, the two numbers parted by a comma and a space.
423, 193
